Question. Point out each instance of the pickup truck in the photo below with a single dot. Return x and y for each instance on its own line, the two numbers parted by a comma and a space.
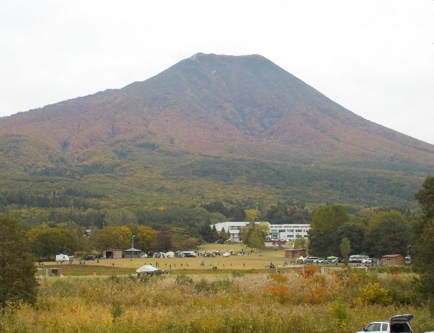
396, 324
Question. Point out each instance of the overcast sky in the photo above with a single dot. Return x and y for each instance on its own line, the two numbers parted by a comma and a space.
374, 57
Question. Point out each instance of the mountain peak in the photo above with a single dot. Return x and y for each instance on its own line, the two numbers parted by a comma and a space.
219, 105
208, 127
201, 55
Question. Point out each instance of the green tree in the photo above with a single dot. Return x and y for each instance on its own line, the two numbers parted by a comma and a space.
283, 214
366, 213
388, 232
113, 237
253, 235
208, 233
237, 213
182, 239
17, 269
163, 241
119, 218
277, 214
326, 221
300, 243
422, 245
223, 236
354, 231
320, 244
256, 240
252, 214
47, 242
425, 197
144, 237
216, 207
345, 249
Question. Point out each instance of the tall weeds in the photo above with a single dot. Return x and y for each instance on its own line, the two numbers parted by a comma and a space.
292, 302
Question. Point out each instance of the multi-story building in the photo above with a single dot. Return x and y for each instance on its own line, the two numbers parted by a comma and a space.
233, 228
287, 232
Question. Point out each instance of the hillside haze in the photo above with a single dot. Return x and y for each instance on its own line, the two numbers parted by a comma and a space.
213, 127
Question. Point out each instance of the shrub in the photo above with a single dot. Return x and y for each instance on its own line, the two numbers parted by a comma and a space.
214, 286
340, 312
279, 293
278, 278
374, 294
238, 274
308, 271
116, 310
315, 295
403, 288
182, 280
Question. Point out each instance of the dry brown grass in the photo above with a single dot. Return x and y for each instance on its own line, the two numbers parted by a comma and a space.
190, 303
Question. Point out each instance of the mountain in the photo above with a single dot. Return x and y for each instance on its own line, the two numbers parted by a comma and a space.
207, 128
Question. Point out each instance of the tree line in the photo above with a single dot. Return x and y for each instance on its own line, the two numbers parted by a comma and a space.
60, 208
368, 231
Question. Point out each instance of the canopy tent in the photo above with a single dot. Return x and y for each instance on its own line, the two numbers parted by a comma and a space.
301, 258
147, 269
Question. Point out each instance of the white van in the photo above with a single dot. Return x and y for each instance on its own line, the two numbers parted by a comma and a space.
61, 258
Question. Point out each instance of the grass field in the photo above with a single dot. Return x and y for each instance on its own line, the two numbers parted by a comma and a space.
256, 262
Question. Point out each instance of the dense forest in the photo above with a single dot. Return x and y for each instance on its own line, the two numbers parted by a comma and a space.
91, 229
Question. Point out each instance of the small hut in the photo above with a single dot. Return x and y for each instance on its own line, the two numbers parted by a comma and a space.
112, 254
132, 253
295, 253
393, 260
54, 272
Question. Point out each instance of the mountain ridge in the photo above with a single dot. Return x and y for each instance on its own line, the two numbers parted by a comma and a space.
232, 108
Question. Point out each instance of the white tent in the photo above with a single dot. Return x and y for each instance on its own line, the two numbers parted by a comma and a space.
170, 254
300, 259
159, 255
147, 269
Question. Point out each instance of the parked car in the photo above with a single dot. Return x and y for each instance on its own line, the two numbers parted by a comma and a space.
189, 254
396, 324
310, 260
89, 257
375, 261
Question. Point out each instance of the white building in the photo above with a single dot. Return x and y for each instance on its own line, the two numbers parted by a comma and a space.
277, 231
289, 232
233, 228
